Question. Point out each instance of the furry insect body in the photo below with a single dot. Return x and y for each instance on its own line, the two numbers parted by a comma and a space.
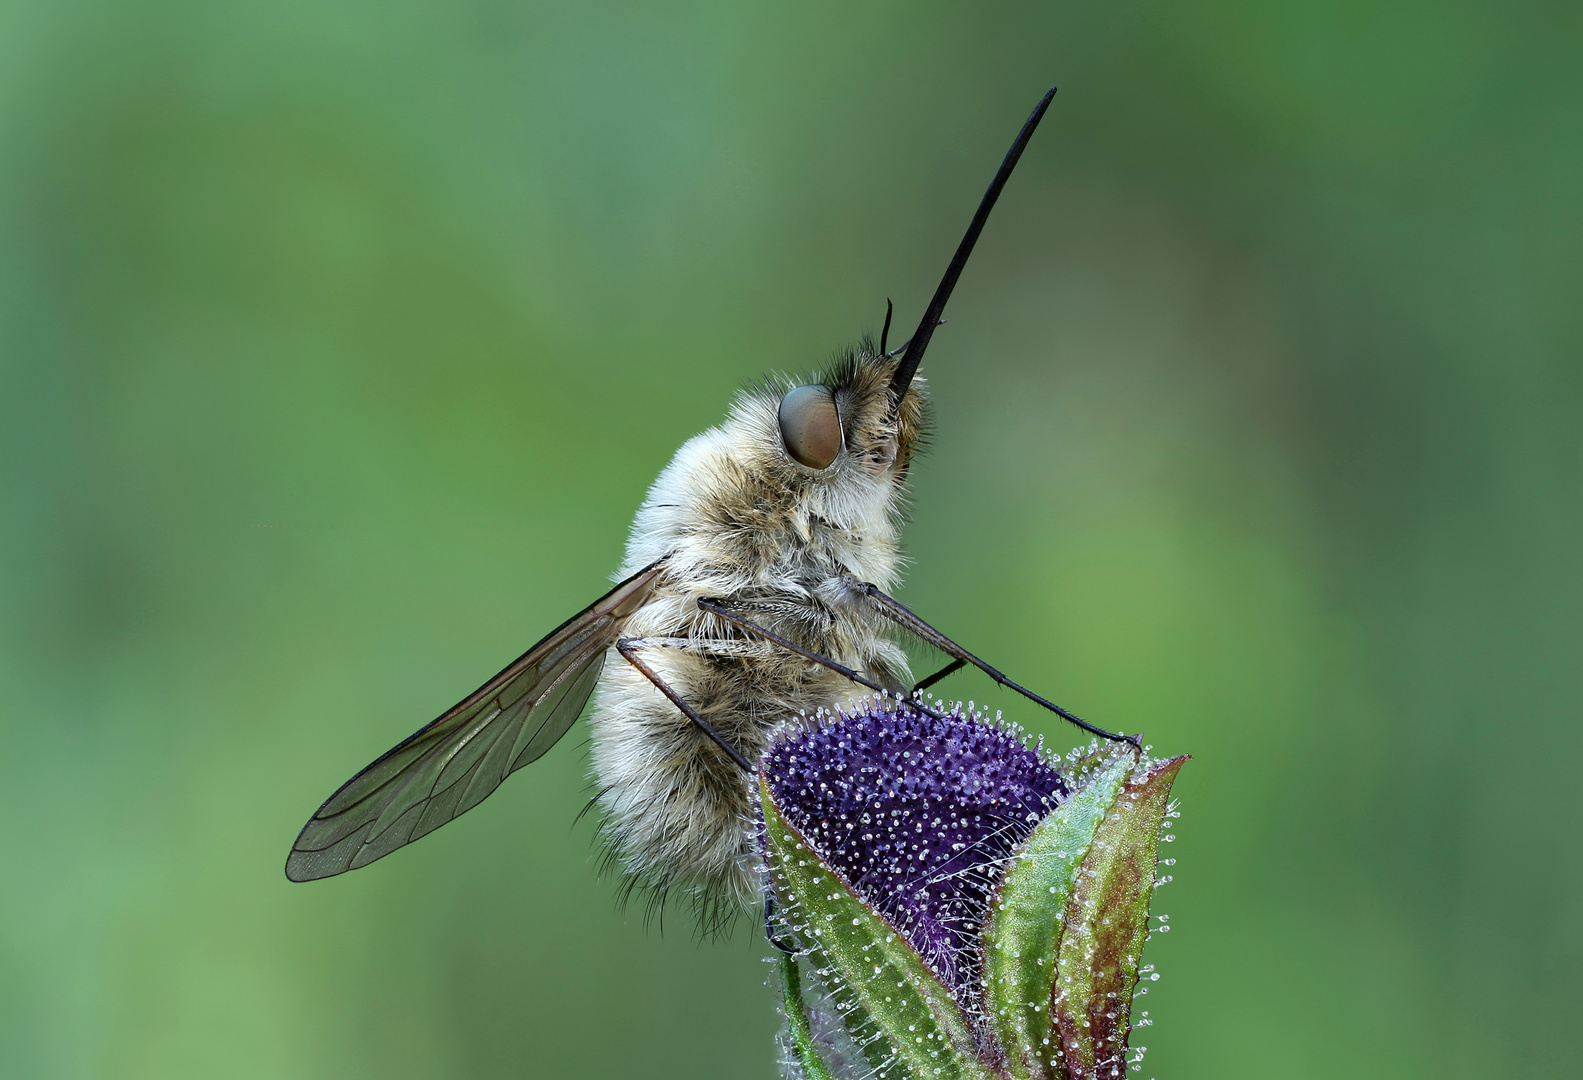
735, 518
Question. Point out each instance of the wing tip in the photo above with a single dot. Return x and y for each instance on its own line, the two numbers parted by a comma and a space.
301, 867
309, 863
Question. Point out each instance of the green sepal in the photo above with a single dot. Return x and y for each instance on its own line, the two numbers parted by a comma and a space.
1106, 925
896, 1009
1028, 917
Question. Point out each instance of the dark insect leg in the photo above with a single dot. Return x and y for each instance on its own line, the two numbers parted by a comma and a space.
734, 619
769, 926
902, 615
950, 669
626, 648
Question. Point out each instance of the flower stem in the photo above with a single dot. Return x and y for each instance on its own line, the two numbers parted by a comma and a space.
797, 1020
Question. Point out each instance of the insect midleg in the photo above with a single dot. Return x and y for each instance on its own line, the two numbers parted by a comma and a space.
839, 668
903, 616
627, 647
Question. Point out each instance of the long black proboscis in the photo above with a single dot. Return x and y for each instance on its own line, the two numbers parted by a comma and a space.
931, 318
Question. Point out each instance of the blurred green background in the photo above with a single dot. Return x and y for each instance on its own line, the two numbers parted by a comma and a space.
340, 341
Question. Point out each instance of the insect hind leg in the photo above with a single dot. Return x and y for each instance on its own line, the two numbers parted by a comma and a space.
769, 926
628, 648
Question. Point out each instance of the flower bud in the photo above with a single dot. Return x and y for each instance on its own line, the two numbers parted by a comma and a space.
958, 906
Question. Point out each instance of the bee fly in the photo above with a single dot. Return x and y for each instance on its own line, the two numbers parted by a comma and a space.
755, 588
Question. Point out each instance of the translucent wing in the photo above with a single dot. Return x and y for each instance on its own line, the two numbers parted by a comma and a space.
449, 766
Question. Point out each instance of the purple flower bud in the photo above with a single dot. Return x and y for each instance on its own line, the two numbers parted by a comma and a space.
918, 815
959, 909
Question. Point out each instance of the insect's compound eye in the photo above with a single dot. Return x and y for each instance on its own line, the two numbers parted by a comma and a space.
810, 426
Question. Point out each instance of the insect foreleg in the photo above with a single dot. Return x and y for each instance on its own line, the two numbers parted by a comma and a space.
714, 608
628, 647
903, 616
